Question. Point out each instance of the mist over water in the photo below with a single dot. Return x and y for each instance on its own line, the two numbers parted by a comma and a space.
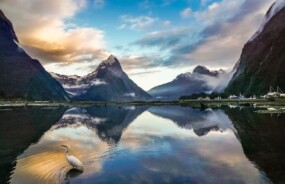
168, 144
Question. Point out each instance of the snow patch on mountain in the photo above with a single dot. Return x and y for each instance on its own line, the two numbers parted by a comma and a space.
65, 77
110, 61
97, 82
187, 75
80, 115
81, 86
20, 48
130, 94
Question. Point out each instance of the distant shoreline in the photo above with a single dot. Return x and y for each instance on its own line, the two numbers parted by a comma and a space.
191, 103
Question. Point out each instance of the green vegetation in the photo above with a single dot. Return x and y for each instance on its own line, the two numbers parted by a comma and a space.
186, 102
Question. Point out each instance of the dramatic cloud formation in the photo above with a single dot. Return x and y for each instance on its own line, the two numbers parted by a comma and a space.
228, 26
186, 13
45, 34
164, 39
132, 61
219, 11
166, 36
222, 41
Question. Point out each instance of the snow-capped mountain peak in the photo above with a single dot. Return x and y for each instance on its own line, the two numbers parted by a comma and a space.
186, 75
108, 82
199, 72
112, 61
112, 65
202, 70
65, 77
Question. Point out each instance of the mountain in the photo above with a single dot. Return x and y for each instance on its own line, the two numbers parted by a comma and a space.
262, 61
21, 76
107, 83
201, 122
71, 83
200, 80
205, 71
67, 80
108, 122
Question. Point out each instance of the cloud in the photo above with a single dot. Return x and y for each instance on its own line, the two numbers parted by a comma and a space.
144, 72
146, 4
167, 2
166, 23
43, 30
229, 26
46, 31
164, 39
99, 3
222, 41
219, 11
186, 13
137, 23
133, 62
75, 45
150, 4
205, 2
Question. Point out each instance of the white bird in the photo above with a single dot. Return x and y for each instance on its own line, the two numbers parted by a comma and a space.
72, 160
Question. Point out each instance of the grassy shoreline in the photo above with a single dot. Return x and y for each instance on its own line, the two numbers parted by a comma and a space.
192, 103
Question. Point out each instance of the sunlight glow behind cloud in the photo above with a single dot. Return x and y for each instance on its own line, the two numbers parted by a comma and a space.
45, 34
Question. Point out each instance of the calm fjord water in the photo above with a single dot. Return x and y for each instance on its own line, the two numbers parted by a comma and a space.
168, 144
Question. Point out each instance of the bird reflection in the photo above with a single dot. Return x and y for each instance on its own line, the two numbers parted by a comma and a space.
72, 173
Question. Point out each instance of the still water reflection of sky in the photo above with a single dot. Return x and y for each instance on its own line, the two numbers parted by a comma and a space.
131, 145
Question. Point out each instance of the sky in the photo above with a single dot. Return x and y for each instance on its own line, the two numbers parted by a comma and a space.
155, 40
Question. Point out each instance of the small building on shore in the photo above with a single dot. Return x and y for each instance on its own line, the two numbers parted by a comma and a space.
273, 94
234, 97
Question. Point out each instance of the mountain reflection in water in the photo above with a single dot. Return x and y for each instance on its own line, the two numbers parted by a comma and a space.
19, 128
168, 144
202, 122
262, 137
